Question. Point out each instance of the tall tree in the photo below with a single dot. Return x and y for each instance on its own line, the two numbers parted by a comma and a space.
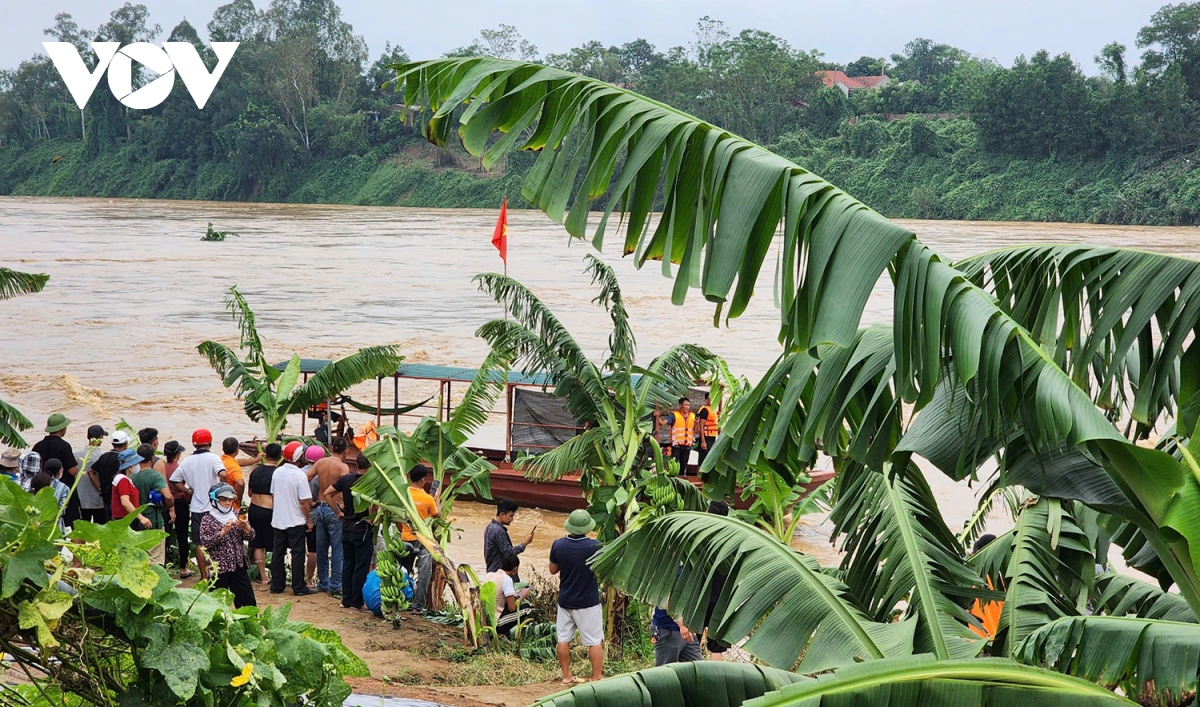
1172, 41
923, 59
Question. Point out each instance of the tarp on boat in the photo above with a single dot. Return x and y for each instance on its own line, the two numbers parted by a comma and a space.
540, 421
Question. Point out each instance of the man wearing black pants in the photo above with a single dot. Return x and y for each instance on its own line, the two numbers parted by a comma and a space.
358, 537
291, 521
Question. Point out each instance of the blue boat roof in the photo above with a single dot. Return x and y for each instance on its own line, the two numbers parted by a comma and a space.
425, 371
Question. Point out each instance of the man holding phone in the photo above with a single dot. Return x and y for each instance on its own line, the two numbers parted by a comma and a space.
496, 543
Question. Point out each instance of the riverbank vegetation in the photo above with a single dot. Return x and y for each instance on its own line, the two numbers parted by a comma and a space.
305, 114
1063, 372
111, 628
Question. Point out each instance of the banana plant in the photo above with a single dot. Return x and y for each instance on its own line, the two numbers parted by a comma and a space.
1055, 361
14, 283
386, 485
916, 681
613, 399
269, 394
442, 443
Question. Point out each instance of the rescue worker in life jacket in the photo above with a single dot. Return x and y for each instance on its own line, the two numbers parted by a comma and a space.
707, 428
683, 432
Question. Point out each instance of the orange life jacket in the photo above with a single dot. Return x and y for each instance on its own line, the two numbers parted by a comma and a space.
682, 429
365, 435
710, 423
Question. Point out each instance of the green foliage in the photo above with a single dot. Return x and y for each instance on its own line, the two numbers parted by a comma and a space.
12, 284
953, 176
302, 116
1153, 662
615, 399
677, 684
214, 235
271, 394
117, 629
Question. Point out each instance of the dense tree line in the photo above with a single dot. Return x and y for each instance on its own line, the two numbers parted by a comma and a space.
303, 111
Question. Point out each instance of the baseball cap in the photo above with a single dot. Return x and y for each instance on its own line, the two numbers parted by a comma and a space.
293, 452
120, 437
11, 458
96, 432
201, 437
172, 447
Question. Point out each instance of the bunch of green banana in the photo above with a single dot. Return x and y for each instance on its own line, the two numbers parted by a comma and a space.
391, 574
662, 494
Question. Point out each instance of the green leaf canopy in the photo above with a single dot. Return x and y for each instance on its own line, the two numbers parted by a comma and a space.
699, 684
776, 596
915, 681
723, 200
1153, 662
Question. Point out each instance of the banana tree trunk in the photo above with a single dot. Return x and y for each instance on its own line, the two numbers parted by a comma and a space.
470, 629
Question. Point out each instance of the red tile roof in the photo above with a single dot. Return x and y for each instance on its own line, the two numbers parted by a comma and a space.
830, 78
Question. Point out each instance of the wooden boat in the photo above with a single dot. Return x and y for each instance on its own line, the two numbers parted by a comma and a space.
522, 433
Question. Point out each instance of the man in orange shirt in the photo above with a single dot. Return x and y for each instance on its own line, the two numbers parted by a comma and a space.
419, 480
233, 469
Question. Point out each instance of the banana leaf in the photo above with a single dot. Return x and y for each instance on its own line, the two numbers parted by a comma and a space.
777, 598
1153, 662
698, 684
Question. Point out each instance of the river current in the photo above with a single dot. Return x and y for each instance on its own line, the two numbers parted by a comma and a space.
133, 290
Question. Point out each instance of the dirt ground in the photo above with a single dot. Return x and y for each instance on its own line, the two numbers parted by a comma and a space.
405, 661
398, 658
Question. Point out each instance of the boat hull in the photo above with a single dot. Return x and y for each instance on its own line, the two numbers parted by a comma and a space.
565, 495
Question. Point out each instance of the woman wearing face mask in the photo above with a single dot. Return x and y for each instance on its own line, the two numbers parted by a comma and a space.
223, 532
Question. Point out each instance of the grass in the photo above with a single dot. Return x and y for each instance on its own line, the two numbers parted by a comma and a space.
506, 669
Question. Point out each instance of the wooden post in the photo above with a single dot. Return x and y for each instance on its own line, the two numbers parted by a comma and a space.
303, 413
396, 406
508, 403
379, 401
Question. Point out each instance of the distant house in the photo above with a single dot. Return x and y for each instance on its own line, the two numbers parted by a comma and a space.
850, 84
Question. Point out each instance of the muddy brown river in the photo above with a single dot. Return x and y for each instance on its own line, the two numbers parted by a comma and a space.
133, 290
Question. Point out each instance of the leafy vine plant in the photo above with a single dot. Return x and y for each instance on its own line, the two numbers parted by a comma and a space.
110, 628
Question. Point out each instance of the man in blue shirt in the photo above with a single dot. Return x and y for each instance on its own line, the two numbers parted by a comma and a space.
673, 642
578, 595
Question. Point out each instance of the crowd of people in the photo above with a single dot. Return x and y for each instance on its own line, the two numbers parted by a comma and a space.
297, 503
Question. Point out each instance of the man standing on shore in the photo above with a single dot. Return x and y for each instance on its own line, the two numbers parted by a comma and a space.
152, 489
497, 545
105, 469
578, 594
329, 528
54, 446
197, 475
419, 479
290, 521
86, 503
358, 537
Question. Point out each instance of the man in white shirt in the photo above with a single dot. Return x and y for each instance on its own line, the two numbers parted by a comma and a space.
291, 521
507, 594
197, 475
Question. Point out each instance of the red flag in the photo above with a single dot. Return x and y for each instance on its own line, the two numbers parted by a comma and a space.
500, 235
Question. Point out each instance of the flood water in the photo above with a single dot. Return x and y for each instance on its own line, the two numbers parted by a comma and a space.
133, 290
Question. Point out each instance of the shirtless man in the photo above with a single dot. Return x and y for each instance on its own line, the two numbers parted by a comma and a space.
326, 520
